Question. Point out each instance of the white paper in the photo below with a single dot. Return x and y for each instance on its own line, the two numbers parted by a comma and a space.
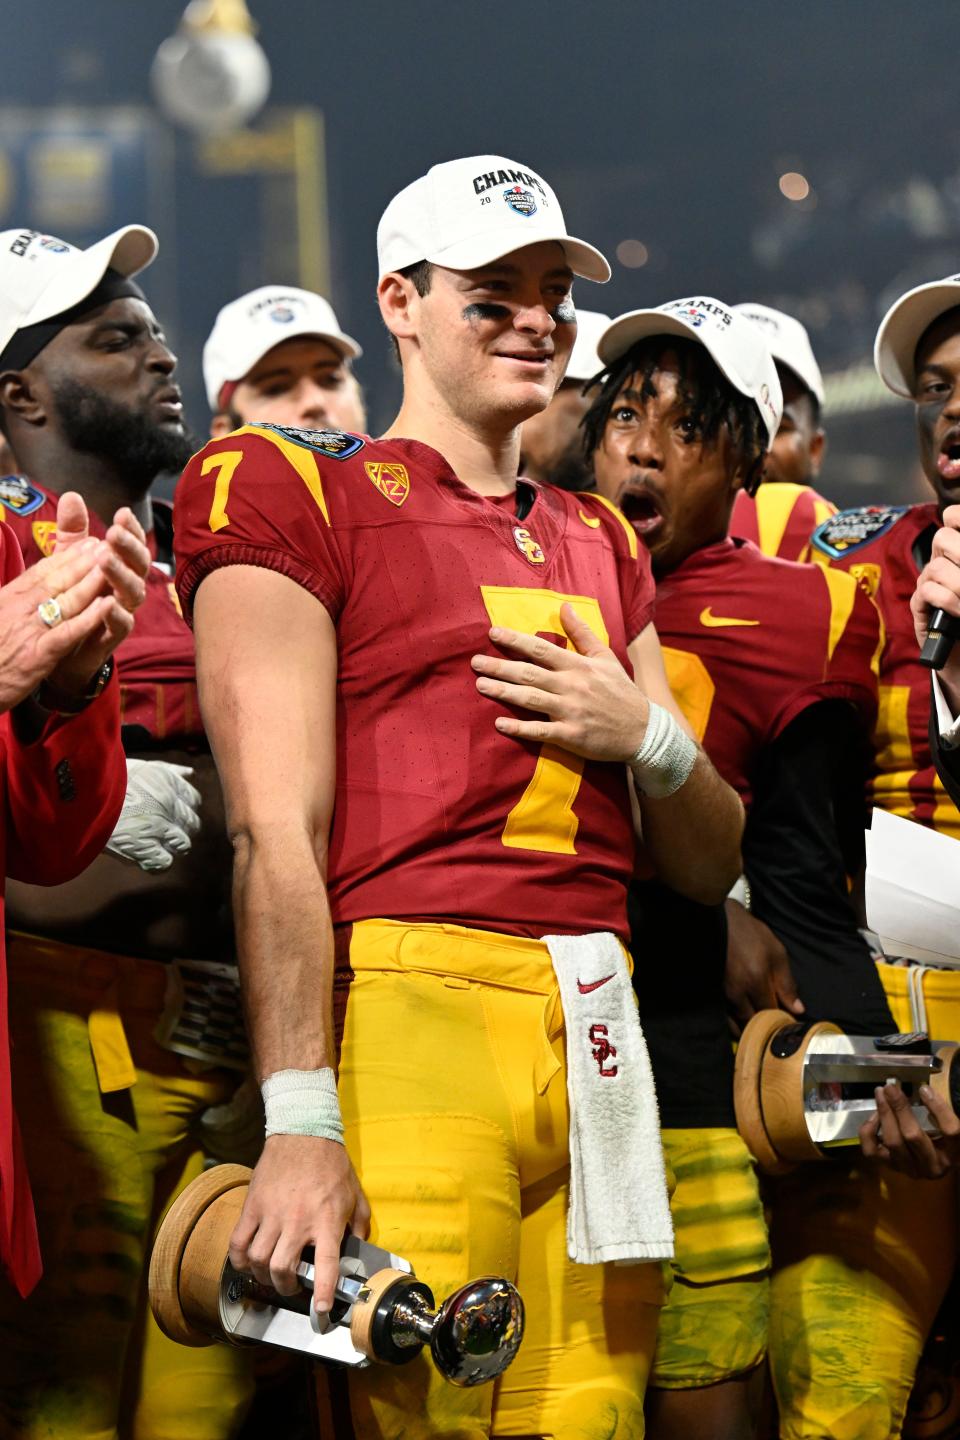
913, 890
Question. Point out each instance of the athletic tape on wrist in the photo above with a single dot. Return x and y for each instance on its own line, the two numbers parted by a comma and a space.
302, 1102
665, 757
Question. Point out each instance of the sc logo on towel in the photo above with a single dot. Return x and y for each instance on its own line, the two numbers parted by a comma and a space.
602, 1050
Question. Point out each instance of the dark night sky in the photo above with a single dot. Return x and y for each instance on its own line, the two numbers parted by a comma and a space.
670, 124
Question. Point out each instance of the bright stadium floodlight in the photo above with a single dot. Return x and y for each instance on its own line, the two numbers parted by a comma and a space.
212, 75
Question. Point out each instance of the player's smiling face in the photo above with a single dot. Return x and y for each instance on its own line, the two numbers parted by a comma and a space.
303, 382
651, 463
495, 342
937, 394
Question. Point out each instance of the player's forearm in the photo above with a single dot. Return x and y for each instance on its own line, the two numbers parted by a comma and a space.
285, 946
693, 836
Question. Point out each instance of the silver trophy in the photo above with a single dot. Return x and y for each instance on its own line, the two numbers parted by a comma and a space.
381, 1311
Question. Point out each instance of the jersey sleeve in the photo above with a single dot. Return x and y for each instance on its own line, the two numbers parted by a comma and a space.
844, 633
253, 498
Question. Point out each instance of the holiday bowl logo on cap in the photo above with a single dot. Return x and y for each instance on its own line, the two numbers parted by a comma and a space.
735, 344
282, 315
520, 200
50, 242
467, 213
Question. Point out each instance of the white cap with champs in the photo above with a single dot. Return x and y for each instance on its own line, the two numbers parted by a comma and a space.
736, 345
470, 212
248, 328
41, 276
902, 328
789, 343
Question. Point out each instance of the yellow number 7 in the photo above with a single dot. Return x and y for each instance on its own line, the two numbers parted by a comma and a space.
225, 463
543, 817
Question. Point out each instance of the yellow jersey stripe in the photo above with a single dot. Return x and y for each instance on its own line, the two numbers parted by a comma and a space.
629, 531
774, 507
842, 589
298, 456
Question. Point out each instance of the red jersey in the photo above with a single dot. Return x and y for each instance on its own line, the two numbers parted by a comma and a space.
437, 815
60, 797
885, 548
774, 638
155, 664
780, 518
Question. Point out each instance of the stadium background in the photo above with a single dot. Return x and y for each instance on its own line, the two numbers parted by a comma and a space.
665, 130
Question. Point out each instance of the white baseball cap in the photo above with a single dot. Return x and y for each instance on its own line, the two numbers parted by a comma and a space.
470, 212
788, 342
248, 328
736, 345
585, 362
41, 277
902, 328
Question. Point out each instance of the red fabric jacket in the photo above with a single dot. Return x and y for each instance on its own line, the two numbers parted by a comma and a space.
60, 797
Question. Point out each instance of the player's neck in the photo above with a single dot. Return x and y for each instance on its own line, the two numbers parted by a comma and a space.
487, 461
104, 489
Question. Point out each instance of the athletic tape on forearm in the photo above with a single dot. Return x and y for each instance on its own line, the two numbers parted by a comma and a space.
302, 1102
665, 758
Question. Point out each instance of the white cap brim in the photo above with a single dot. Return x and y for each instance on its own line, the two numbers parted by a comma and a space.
244, 358
902, 328
128, 251
493, 245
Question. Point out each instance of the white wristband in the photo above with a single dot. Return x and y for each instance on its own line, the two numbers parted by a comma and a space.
302, 1102
665, 757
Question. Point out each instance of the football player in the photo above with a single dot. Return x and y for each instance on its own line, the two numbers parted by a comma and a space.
772, 663
88, 402
278, 354
781, 516
551, 443
378, 623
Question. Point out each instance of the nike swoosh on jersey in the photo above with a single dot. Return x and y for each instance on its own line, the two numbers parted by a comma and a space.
711, 621
592, 520
592, 984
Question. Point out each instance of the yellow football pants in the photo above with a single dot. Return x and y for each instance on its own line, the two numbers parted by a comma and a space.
714, 1324
81, 1358
453, 1091
862, 1259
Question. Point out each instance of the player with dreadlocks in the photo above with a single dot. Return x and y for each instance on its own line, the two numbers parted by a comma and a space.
773, 665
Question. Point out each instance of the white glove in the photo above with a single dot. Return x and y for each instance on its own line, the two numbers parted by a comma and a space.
159, 814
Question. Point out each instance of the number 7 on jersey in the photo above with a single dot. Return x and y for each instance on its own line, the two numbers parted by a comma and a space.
544, 818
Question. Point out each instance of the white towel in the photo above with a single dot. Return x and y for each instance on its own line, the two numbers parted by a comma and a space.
618, 1208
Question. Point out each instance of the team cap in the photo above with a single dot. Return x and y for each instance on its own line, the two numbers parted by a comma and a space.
788, 342
248, 328
902, 328
585, 362
737, 347
470, 212
41, 277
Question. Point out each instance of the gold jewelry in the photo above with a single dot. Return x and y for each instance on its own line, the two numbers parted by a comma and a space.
50, 612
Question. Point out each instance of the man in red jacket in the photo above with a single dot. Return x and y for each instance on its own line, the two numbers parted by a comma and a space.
62, 771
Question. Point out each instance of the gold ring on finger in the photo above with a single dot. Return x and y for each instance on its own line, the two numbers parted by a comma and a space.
50, 612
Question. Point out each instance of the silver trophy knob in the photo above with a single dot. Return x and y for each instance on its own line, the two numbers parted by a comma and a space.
473, 1336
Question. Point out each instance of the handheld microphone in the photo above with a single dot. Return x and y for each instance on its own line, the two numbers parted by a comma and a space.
944, 629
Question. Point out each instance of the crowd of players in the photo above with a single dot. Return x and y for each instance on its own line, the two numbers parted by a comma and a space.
410, 659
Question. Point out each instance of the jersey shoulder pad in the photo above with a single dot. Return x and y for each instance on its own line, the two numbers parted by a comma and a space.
849, 530
19, 496
596, 512
332, 444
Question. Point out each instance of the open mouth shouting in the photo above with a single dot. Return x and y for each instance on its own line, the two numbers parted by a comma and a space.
642, 509
948, 461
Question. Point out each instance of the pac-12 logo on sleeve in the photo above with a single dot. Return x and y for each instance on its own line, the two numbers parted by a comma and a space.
391, 480
18, 495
